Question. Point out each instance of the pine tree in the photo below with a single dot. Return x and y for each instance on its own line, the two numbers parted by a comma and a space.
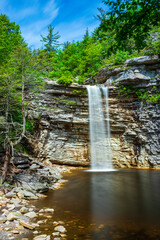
51, 40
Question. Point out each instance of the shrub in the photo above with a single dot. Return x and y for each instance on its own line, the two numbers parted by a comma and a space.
121, 57
65, 80
81, 80
54, 74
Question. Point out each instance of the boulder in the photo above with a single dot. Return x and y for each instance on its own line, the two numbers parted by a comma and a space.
30, 183
60, 229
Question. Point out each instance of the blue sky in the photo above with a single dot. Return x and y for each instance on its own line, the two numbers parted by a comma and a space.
70, 17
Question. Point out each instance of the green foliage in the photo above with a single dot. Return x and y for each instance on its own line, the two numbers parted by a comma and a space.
65, 80
121, 57
9, 38
126, 91
154, 98
51, 40
18, 76
79, 92
81, 80
153, 47
29, 125
68, 102
130, 21
150, 96
141, 94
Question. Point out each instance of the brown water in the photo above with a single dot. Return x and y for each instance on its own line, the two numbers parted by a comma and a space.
107, 206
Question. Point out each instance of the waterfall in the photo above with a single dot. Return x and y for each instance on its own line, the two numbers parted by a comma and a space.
101, 158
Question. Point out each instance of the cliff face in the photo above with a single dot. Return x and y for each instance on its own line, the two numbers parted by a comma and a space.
62, 126
62, 133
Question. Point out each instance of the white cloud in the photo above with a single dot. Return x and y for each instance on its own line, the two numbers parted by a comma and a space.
51, 10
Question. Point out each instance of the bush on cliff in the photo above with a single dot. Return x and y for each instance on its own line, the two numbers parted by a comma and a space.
65, 80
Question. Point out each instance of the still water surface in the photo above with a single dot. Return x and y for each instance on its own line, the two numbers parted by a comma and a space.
107, 206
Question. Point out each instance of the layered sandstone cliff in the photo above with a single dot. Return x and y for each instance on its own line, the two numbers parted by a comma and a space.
62, 126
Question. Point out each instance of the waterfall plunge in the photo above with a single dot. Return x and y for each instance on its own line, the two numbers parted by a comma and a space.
101, 159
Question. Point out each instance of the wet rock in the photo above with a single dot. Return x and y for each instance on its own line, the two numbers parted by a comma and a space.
41, 210
55, 234
26, 224
24, 210
63, 235
55, 223
42, 237
60, 229
41, 221
61, 222
31, 214
49, 210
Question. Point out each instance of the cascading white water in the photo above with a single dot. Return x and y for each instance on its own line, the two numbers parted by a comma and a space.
101, 158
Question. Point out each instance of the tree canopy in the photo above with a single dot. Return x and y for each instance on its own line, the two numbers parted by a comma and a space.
10, 37
130, 19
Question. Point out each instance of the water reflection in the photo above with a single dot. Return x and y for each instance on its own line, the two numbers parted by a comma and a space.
128, 198
115, 205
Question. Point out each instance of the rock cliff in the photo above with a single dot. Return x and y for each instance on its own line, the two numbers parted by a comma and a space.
62, 127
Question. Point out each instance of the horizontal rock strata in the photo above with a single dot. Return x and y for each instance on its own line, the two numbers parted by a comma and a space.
62, 125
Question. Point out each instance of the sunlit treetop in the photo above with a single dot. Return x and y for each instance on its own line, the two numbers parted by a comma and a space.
130, 19
10, 37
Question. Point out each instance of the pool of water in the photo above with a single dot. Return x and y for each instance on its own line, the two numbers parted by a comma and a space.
123, 204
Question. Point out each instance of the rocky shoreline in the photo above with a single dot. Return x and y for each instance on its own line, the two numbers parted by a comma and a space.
19, 217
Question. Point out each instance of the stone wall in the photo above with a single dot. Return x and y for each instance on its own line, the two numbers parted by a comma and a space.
62, 127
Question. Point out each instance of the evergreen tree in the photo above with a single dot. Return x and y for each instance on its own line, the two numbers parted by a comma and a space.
86, 38
51, 45
51, 40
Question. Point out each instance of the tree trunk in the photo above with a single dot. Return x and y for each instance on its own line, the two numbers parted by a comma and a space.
6, 143
6, 164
